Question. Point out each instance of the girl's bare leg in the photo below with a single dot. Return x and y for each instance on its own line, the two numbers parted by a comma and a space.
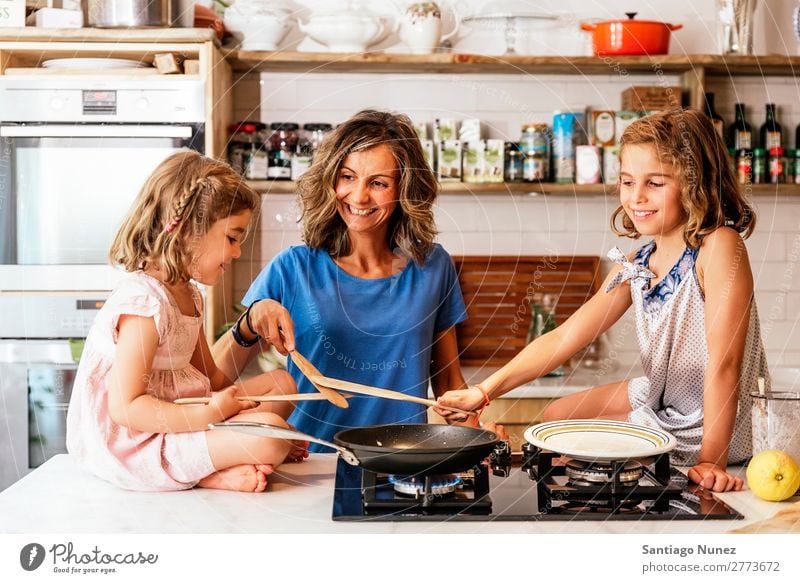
244, 461
606, 401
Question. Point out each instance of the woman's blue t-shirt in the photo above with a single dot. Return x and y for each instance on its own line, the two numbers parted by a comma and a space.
376, 332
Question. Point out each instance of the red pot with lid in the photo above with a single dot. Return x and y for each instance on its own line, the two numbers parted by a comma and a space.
630, 37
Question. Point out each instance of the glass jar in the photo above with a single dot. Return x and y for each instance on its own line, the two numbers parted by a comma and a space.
513, 163
316, 134
256, 166
240, 145
534, 143
282, 145
543, 320
759, 166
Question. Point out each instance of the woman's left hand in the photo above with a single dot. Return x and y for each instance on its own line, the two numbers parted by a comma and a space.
713, 477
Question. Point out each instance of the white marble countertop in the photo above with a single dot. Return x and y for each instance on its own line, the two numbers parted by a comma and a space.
59, 497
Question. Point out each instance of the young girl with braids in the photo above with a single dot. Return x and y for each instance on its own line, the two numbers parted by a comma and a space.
147, 347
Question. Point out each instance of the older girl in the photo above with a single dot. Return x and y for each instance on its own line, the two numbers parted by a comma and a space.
692, 291
147, 346
370, 297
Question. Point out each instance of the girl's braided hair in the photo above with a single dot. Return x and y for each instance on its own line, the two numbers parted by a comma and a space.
180, 201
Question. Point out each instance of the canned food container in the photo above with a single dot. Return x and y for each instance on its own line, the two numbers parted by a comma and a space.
776, 414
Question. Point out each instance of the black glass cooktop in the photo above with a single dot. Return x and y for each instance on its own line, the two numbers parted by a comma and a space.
511, 498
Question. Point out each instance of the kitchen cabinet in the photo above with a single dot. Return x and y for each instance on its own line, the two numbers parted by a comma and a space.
23, 50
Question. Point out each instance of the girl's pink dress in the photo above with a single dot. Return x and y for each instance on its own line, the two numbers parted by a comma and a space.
131, 459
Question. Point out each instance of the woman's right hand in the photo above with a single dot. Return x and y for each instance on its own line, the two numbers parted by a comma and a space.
273, 323
226, 405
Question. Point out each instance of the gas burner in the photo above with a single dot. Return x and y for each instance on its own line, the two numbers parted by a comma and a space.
415, 485
582, 473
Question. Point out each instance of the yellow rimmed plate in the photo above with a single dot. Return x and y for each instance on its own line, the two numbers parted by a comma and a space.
600, 440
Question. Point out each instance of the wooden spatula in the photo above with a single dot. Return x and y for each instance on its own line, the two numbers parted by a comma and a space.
384, 393
258, 398
310, 371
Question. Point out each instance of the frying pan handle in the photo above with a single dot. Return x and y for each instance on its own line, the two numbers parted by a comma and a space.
264, 430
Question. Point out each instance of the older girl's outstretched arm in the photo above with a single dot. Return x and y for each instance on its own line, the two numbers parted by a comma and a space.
130, 405
549, 351
724, 271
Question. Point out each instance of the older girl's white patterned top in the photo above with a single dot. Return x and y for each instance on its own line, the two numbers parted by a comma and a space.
670, 327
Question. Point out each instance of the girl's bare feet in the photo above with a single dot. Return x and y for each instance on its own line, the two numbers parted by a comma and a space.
298, 452
243, 478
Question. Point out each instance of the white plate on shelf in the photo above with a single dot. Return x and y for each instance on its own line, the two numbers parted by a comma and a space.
600, 440
87, 63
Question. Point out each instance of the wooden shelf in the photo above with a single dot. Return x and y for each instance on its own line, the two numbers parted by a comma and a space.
526, 188
107, 35
379, 62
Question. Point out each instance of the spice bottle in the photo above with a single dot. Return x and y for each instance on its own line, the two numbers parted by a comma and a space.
776, 165
240, 145
256, 166
513, 163
759, 166
744, 166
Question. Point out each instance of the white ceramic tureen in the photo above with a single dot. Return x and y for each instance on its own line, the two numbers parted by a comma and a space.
260, 25
346, 27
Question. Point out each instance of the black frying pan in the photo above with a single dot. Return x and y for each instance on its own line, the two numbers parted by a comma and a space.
395, 449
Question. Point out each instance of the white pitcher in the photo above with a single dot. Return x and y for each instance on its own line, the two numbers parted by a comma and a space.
421, 27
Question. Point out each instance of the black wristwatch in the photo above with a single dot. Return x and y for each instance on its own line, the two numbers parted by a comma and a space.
237, 333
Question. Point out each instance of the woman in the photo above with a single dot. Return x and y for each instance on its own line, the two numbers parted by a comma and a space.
369, 298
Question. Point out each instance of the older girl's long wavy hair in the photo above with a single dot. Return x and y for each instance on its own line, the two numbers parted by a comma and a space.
710, 194
412, 229
180, 201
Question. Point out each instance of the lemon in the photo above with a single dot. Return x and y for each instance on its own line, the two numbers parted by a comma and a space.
773, 475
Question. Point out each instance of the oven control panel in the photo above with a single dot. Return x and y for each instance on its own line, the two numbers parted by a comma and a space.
61, 315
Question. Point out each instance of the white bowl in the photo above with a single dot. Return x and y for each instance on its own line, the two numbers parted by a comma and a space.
345, 33
257, 32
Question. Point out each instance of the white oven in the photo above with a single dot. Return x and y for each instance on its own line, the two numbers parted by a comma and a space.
74, 152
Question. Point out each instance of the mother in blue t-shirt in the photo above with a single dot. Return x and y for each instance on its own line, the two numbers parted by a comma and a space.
370, 297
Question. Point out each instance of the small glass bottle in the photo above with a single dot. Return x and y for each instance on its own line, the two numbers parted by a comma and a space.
776, 165
759, 166
796, 166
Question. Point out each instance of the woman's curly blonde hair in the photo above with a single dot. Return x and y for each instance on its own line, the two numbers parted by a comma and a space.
710, 194
180, 201
412, 229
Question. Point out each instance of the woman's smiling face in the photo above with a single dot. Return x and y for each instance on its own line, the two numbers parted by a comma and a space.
650, 192
367, 190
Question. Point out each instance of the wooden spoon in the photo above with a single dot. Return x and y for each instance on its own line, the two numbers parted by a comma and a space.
310, 372
384, 393
258, 398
